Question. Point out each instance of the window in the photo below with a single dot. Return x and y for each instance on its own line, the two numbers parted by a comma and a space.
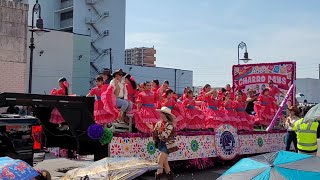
62, 1
66, 15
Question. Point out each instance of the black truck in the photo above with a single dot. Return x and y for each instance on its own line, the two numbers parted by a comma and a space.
76, 111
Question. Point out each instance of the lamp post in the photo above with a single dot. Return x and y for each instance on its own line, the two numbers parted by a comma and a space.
39, 31
246, 55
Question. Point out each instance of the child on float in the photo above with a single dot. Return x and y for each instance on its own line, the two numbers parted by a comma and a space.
184, 95
195, 118
101, 115
264, 109
214, 117
176, 109
146, 115
155, 86
227, 108
131, 86
205, 89
246, 121
56, 117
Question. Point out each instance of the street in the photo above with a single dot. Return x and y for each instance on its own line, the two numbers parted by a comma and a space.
58, 166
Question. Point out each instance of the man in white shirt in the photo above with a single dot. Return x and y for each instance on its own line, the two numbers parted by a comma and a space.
120, 91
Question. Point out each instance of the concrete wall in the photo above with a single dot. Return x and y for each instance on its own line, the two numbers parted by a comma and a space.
81, 65
310, 88
142, 74
13, 44
60, 58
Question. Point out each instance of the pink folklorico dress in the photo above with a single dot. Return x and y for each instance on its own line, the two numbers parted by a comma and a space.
132, 96
101, 116
265, 110
247, 120
214, 117
273, 92
195, 118
109, 104
178, 111
56, 117
230, 116
147, 116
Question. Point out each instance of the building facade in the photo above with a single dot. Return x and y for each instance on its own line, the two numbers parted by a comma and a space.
142, 56
309, 88
61, 54
102, 20
13, 46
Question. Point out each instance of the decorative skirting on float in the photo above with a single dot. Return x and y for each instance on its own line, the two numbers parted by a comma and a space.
225, 144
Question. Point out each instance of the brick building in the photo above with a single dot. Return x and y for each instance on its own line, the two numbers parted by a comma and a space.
13, 46
142, 56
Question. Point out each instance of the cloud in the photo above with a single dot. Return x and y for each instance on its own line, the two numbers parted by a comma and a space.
145, 39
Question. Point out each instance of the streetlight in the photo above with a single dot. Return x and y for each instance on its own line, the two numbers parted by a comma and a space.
39, 31
246, 55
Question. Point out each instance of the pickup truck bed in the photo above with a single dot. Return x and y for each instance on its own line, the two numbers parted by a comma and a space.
16, 139
76, 111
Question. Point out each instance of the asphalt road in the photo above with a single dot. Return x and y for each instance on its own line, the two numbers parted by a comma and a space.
58, 166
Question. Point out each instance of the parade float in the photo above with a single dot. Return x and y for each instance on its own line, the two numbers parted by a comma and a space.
225, 142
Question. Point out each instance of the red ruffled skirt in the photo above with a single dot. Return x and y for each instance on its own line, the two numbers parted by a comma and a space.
230, 117
247, 121
146, 118
214, 117
180, 121
264, 114
56, 117
110, 110
195, 118
101, 116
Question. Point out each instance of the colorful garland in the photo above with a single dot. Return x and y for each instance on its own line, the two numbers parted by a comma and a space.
98, 132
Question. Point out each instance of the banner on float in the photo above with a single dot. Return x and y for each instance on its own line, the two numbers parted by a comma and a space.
257, 76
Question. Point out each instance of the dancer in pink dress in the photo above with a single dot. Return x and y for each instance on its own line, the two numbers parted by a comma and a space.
230, 91
184, 95
205, 89
155, 85
131, 86
214, 117
56, 117
195, 118
264, 109
239, 106
227, 108
146, 116
176, 109
162, 90
274, 92
101, 116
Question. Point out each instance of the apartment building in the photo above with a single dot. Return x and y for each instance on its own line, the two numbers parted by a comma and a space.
142, 56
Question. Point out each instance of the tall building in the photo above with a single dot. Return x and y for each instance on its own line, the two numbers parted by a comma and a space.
142, 56
13, 45
102, 20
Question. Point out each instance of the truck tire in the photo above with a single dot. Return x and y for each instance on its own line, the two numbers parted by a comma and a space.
101, 153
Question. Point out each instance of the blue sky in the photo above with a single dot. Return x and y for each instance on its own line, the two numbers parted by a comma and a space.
203, 35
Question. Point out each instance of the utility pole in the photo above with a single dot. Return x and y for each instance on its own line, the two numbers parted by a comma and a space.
175, 80
319, 71
110, 58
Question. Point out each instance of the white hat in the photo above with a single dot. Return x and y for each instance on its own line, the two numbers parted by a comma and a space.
166, 110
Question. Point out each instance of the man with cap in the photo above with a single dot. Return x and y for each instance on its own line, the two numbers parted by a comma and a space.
120, 91
106, 74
